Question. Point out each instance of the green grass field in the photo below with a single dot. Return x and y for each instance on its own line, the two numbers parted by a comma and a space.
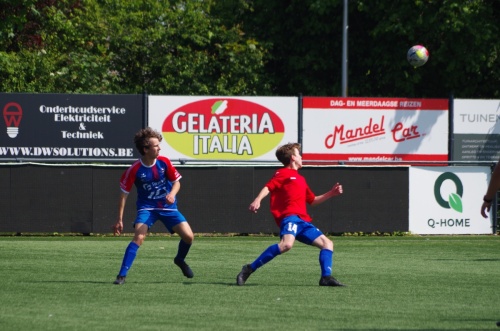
394, 283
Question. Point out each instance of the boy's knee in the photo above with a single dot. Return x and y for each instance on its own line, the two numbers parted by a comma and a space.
188, 239
325, 243
285, 247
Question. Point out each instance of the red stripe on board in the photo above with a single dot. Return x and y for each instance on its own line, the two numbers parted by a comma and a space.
374, 157
374, 103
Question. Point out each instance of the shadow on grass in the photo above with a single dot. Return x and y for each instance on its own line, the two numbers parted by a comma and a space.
467, 260
132, 282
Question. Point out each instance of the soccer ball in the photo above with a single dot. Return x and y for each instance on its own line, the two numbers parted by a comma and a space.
417, 55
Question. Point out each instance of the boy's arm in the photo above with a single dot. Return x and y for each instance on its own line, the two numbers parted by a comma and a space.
493, 187
336, 190
118, 226
176, 186
255, 205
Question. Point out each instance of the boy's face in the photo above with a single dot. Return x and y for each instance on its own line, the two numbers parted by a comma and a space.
154, 148
297, 158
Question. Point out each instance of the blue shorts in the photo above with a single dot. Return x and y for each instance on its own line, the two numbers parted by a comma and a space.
303, 231
169, 218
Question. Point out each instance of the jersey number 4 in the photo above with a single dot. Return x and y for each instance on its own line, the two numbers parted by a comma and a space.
292, 227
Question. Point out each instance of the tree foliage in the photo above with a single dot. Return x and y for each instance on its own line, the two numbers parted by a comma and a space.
249, 47
305, 46
461, 36
125, 46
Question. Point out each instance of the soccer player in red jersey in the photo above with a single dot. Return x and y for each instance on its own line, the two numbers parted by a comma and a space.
157, 184
289, 195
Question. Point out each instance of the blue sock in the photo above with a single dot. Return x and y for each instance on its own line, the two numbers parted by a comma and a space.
182, 251
270, 253
326, 262
128, 258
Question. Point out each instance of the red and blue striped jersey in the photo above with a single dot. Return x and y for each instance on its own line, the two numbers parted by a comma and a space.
153, 183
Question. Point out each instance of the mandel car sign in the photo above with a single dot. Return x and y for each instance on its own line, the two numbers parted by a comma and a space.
223, 128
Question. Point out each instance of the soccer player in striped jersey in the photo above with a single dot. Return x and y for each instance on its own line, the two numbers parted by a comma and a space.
157, 184
289, 195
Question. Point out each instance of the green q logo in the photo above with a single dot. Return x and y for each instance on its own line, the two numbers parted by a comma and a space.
454, 199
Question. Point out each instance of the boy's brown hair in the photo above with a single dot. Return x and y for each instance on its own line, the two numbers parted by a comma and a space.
284, 153
141, 138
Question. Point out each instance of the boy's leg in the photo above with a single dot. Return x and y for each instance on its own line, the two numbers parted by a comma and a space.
288, 230
267, 255
326, 261
141, 230
270, 253
128, 258
184, 231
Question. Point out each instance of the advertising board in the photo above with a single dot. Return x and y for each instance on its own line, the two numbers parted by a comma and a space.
215, 128
375, 129
69, 127
476, 131
447, 200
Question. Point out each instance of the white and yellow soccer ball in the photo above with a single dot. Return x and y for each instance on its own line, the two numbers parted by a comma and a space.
417, 55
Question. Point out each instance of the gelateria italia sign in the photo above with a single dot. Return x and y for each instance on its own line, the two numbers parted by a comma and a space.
224, 128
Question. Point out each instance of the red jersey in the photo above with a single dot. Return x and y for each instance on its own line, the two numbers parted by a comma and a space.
289, 195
